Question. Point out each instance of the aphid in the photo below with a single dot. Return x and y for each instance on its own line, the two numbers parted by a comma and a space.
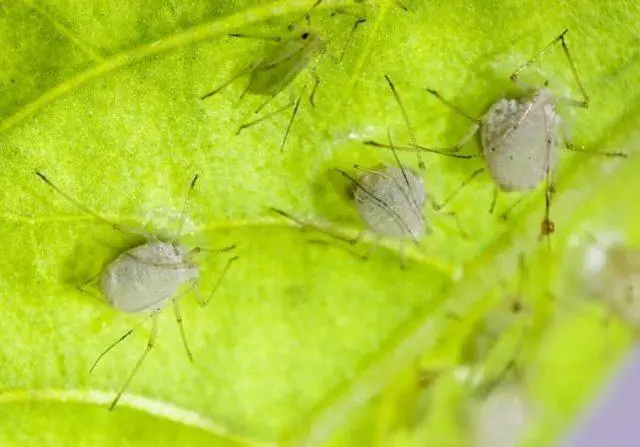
519, 137
613, 275
299, 50
390, 200
502, 417
147, 278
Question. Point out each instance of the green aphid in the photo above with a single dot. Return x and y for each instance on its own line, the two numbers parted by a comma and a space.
298, 50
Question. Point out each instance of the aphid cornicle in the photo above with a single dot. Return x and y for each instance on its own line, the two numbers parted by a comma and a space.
519, 137
146, 278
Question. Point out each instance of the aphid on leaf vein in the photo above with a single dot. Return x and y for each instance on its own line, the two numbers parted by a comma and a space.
147, 278
270, 75
390, 200
519, 137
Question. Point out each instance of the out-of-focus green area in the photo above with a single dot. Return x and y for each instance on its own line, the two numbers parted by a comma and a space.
304, 343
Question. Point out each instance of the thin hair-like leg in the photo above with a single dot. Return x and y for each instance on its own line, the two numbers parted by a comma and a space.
584, 103
178, 315
192, 185
115, 343
227, 82
264, 117
293, 116
230, 261
150, 343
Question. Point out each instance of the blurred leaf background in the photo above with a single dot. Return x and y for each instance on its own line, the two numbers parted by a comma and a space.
304, 344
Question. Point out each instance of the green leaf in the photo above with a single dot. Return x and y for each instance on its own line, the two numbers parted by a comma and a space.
104, 99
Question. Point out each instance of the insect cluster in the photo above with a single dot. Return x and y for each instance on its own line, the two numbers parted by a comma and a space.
519, 139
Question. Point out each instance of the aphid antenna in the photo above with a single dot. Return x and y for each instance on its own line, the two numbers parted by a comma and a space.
150, 343
228, 82
84, 208
192, 185
306, 16
584, 103
376, 199
306, 224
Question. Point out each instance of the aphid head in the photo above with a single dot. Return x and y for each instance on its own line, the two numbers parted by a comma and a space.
312, 41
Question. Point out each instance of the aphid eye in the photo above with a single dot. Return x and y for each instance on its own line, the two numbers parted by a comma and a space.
305, 35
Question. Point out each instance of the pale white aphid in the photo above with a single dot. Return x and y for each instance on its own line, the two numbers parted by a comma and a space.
145, 279
390, 200
519, 136
502, 417
613, 275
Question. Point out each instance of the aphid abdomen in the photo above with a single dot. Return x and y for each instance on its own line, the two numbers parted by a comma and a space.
519, 141
618, 283
503, 418
145, 277
391, 205
281, 66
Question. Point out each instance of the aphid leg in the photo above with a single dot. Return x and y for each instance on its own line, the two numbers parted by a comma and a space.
466, 181
305, 224
238, 75
82, 288
494, 198
306, 16
275, 39
178, 315
82, 207
359, 21
459, 225
192, 185
230, 261
570, 147
349, 250
402, 257
197, 250
265, 117
150, 343
293, 116
372, 248
548, 227
505, 214
316, 83
584, 103
115, 343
